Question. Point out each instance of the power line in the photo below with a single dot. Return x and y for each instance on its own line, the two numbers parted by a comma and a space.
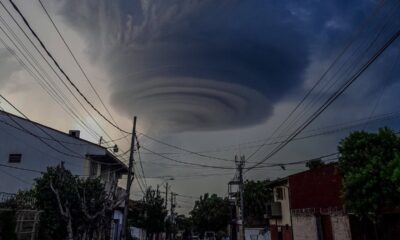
76, 60
19, 168
40, 138
79, 65
140, 160
333, 97
15, 177
54, 93
348, 45
329, 130
184, 149
187, 163
52, 68
329, 85
61, 69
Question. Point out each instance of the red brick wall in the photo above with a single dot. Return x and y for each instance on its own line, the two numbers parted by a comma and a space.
317, 188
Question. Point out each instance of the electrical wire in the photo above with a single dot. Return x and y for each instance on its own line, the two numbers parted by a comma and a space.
52, 68
76, 61
188, 163
140, 160
184, 149
333, 97
337, 58
62, 70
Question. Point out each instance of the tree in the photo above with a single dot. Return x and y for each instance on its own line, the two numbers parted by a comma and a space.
370, 165
184, 224
155, 212
256, 195
74, 208
211, 213
149, 213
315, 163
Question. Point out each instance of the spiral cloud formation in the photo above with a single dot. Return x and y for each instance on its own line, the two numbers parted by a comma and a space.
190, 64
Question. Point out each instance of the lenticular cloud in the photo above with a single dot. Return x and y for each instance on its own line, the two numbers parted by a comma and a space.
193, 65
187, 103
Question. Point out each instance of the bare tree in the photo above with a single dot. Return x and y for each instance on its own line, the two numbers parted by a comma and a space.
98, 221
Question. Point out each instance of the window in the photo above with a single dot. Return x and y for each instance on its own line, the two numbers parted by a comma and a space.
280, 194
93, 169
14, 158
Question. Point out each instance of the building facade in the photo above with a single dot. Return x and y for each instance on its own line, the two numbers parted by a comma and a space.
278, 211
308, 206
316, 205
27, 148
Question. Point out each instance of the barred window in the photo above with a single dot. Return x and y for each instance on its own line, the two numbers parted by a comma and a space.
14, 158
280, 194
93, 169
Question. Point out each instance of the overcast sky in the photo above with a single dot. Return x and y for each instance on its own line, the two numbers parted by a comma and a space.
216, 77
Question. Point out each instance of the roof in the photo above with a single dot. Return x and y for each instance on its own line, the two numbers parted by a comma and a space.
278, 182
108, 157
52, 129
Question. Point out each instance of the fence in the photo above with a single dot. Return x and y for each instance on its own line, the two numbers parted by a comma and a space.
26, 217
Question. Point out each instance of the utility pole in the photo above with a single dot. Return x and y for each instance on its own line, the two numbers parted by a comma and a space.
166, 196
129, 181
173, 204
240, 165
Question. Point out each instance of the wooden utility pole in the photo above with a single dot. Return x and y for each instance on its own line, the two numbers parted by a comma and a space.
173, 205
240, 165
166, 196
129, 181
166, 208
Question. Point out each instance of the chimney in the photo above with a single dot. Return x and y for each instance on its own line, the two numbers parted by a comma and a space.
74, 133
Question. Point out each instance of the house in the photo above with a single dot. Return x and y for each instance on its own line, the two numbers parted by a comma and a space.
27, 148
317, 206
278, 211
308, 205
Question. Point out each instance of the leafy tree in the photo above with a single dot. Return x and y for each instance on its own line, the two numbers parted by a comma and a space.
315, 163
155, 212
211, 213
370, 165
73, 208
256, 195
183, 223
149, 213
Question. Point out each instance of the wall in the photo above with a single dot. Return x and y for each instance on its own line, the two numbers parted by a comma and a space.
341, 227
285, 220
304, 228
36, 154
282, 224
317, 188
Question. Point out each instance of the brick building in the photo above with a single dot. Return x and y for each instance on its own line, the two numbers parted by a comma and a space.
308, 206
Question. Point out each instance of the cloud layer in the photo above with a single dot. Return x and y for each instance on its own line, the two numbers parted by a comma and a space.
194, 65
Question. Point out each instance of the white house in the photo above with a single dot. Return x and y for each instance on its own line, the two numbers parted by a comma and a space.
27, 148
278, 211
